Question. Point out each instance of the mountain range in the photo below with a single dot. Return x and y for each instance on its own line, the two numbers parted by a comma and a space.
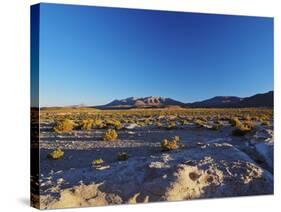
258, 100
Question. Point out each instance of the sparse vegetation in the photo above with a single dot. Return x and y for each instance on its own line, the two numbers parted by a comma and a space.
114, 123
167, 145
110, 135
241, 130
97, 162
63, 126
265, 123
87, 124
56, 154
216, 127
199, 123
234, 122
121, 156
171, 125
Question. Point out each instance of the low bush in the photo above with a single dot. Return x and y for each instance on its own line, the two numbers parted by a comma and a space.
97, 162
199, 123
110, 135
216, 127
234, 122
114, 123
241, 130
98, 123
171, 125
249, 124
63, 126
167, 145
56, 154
121, 156
87, 124
265, 123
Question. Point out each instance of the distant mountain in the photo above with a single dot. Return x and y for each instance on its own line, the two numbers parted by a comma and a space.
258, 100
218, 101
135, 102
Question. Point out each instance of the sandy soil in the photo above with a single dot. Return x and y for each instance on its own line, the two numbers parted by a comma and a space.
143, 147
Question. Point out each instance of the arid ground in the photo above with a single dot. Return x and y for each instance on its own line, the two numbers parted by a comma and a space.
92, 157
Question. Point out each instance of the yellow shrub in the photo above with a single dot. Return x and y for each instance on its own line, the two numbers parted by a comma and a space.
234, 122
266, 123
110, 135
97, 162
87, 124
241, 130
115, 123
167, 145
98, 123
63, 126
56, 154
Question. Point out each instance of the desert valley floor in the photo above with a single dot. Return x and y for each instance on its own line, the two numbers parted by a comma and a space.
210, 159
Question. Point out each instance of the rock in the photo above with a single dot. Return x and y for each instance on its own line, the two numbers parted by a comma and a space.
217, 170
131, 126
102, 167
60, 180
263, 143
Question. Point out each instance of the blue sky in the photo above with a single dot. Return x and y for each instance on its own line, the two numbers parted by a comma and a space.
92, 55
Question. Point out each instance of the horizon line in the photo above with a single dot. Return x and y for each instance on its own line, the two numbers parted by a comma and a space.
92, 105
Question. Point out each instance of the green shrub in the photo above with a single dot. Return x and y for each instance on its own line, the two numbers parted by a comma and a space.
110, 135
65, 125
56, 154
167, 145
121, 156
97, 162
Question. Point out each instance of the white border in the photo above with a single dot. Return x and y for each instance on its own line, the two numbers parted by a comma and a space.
14, 82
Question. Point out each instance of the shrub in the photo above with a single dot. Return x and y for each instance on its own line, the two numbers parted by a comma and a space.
167, 145
199, 122
97, 162
184, 122
265, 123
159, 124
110, 135
114, 123
56, 154
171, 125
63, 126
121, 156
247, 118
87, 124
234, 122
241, 130
249, 124
98, 123
216, 126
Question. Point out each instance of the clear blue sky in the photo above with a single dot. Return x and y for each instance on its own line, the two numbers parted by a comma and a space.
92, 55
